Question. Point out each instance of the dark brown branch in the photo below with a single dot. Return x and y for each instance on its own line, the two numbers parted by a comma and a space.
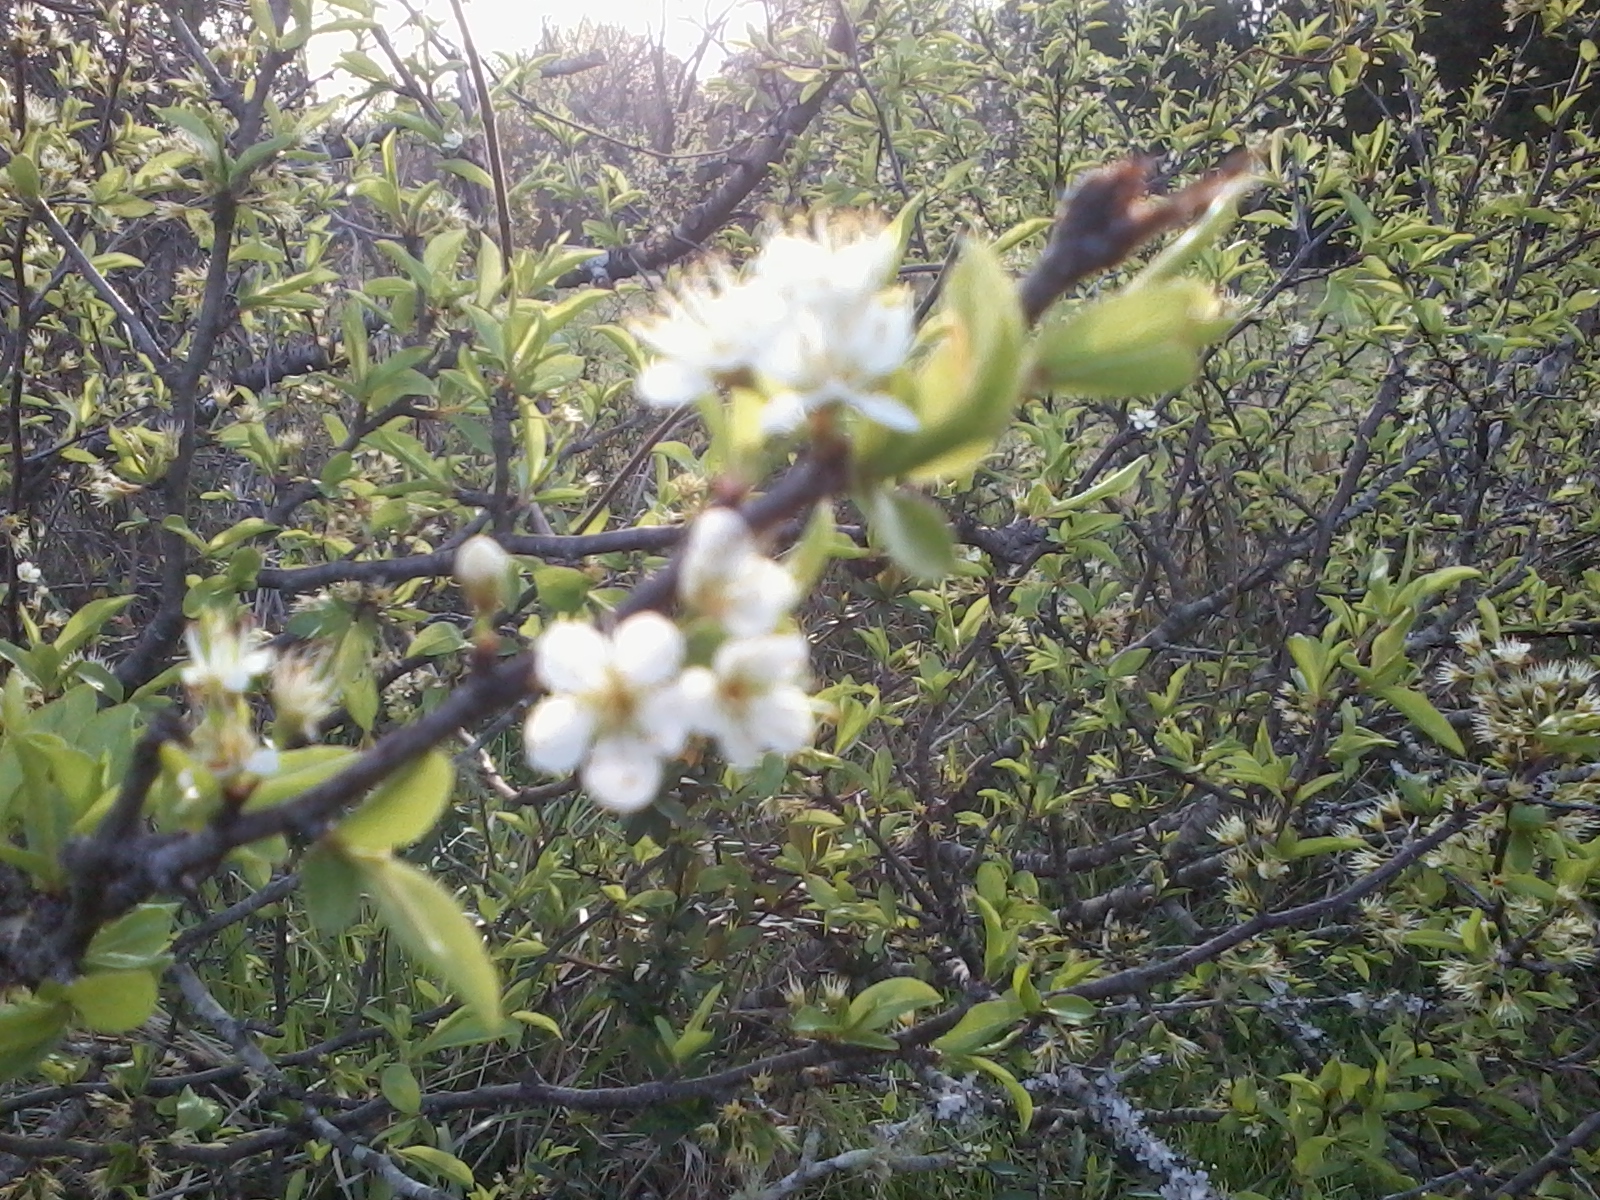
1137, 979
702, 222
1524, 1181
1108, 216
556, 547
161, 634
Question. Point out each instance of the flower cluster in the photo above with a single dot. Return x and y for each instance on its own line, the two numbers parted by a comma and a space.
227, 655
1523, 708
812, 324
621, 705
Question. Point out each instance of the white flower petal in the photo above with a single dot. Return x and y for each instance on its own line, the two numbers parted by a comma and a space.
572, 657
622, 774
557, 734
771, 661
784, 413
718, 539
647, 649
885, 410
741, 746
697, 692
668, 383
665, 717
762, 595
784, 719
884, 337
262, 763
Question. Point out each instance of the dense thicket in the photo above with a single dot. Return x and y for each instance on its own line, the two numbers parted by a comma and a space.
1202, 800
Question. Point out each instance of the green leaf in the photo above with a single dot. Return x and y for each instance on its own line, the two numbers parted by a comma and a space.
113, 1001
363, 66
441, 637
400, 1088
332, 888
1073, 1010
887, 1001
1019, 1095
136, 939
403, 809
195, 1112
1138, 342
1021, 232
24, 175
810, 556
431, 926
298, 771
1419, 710
562, 590
914, 532
446, 1165
1112, 485
538, 1021
464, 1027
981, 1025
967, 388
29, 1030
900, 229
86, 622
197, 127
1307, 847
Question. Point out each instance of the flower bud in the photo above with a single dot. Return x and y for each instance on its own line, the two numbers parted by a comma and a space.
482, 570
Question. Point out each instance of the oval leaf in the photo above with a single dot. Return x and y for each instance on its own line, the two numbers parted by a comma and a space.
431, 926
403, 809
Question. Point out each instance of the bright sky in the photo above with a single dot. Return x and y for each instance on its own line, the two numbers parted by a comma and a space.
509, 26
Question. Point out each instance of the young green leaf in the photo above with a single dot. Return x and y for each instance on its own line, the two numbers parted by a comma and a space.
331, 885
914, 532
887, 1001
1138, 342
403, 809
113, 1001
1419, 710
136, 939
400, 1088
29, 1029
431, 926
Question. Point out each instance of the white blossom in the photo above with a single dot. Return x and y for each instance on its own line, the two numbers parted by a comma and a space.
750, 698
817, 362
836, 270
1144, 420
709, 334
845, 333
615, 707
725, 577
813, 322
225, 655
302, 693
27, 572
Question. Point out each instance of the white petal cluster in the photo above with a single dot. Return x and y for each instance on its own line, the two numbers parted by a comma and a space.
711, 332
302, 694
225, 655
750, 698
621, 705
813, 323
724, 576
615, 706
